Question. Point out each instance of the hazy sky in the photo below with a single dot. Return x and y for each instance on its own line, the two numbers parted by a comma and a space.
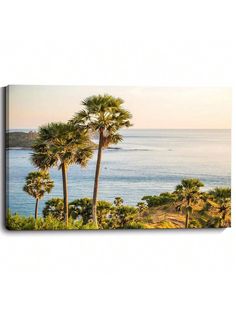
151, 107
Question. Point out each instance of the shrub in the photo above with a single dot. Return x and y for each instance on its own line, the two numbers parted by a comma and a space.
109, 216
81, 209
194, 223
55, 208
135, 225
118, 201
142, 206
158, 200
17, 222
126, 215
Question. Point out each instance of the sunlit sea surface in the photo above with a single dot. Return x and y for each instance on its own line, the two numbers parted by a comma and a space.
148, 162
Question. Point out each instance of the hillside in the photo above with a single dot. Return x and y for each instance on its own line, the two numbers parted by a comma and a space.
20, 139
167, 217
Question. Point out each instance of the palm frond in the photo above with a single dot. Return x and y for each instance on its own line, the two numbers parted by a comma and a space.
104, 113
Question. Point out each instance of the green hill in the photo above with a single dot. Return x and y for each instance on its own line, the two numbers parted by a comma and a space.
20, 139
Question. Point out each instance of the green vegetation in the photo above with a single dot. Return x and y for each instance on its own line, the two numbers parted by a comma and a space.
208, 210
54, 208
189, 208
20, 139
220, 200
37, 184
109, 216
105, 116
188, 193
162, 199
17, 222
60, 145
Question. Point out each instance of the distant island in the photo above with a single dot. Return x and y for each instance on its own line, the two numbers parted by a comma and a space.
24, 140
20, 139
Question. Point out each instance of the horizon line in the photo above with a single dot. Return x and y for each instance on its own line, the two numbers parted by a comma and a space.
34, 128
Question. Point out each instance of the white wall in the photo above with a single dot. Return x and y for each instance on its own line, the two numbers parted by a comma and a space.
163, 43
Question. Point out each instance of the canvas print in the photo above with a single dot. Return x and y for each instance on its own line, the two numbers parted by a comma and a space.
105, 158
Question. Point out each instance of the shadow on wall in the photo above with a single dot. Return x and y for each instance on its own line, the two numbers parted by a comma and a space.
3, 181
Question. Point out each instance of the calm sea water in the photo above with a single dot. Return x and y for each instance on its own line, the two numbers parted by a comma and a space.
148, 162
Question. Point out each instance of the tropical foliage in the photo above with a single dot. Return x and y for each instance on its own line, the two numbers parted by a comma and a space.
54, 208
162, 199
110, 216
17, 222
60, 145
37, 184
188, 193
104, 115
209, 210
220, 200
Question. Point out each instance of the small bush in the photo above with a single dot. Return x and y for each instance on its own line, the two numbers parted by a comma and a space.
158, 200
16, 222
55, 208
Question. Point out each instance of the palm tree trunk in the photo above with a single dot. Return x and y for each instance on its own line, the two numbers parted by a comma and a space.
222, 223
36, 209
95, 189
187, 215
187, 219
65, 192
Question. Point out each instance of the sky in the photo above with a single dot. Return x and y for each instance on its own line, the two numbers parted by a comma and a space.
151, 107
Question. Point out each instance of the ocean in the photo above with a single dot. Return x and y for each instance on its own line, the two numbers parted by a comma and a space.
147, 162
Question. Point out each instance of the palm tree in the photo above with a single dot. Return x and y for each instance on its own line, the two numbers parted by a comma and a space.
37, 184
188, 193
60, 145
102, 114
118, 201
221, 200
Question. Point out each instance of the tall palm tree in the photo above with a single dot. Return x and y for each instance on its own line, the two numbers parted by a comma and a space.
60, 145
102, 114
188, 194
37, 184
220, 198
